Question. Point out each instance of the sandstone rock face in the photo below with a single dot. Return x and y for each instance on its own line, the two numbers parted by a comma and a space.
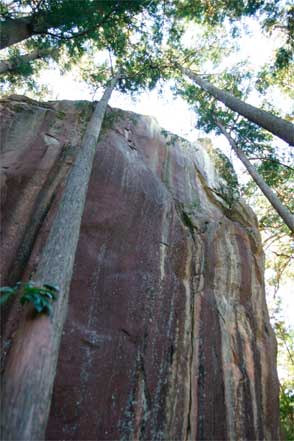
167, 335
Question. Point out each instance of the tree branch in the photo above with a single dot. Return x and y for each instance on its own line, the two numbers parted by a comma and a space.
79, 34
264, 158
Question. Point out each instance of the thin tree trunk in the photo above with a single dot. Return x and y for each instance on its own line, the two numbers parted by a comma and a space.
283, 211
31, 365
10, 66
277, 126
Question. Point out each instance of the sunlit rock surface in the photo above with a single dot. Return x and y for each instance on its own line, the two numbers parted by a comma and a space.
167, 335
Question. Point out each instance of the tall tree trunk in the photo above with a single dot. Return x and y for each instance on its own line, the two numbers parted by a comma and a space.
283, 211
277, 126
10, 66
31, 365
14, 30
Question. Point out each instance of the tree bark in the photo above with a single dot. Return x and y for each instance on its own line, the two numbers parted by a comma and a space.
31, 365
15, 30
283, 211
10, 66
277, 126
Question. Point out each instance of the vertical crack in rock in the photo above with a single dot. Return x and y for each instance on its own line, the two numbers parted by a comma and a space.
247, 429
191, 289
249, 344
225, 292
145, 398
139, 404
90, 339
164, 241
40, 210
211, 412
192, 342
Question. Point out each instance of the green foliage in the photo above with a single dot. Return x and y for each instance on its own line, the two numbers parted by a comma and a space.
216, 11
205, 107
283, 58
287, 412
274, 166
279, 22
66, 19
7, 293
187, 220
67, 28
24, 69
279, 265
41, 297
278, 74
276, 174
22, 72
110, 118
285, 338
229, 192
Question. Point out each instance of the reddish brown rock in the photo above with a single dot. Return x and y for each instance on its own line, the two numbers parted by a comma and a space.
167, 335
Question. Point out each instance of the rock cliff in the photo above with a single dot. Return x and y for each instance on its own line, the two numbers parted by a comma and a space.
167, 334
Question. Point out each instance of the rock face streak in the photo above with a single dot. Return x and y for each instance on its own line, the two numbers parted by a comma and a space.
167, 335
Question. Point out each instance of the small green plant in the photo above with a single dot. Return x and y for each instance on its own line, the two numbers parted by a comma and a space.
110, 119
41, 297
171, 139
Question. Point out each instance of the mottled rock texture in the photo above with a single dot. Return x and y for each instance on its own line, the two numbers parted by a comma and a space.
167, 335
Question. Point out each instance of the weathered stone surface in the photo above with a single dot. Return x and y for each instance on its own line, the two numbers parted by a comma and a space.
167, 335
